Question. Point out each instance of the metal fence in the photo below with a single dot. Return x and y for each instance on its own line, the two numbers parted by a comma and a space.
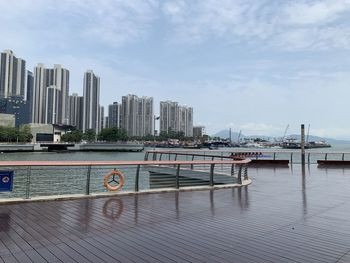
293, 156
48, 178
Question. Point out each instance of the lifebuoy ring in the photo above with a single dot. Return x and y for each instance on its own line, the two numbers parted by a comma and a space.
119, 184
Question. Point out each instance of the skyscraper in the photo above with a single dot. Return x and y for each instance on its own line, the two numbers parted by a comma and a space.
43, 80
52, 105
169, 111
76, 109
114, 115
176, 118
39, 94
91, 96
137, 115
185, 122
102, 117
12, 75
30, 89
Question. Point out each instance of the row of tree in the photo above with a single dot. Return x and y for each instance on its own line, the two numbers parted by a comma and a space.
108, 135
11, 134
117, 134
23, 134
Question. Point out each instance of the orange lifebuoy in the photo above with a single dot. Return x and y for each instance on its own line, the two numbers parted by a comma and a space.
118, 185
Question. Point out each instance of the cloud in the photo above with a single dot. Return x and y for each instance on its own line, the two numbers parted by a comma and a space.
56, 23
286, 25
315, 12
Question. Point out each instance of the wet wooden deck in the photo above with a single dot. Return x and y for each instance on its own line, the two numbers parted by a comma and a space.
282, 217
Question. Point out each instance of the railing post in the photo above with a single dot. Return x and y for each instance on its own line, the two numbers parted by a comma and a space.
192, 163
325, 157
308, 158
29, 173
274, 156
233, 169
160, 156
154, 156
239, 177
291, 157
245, 172
177, 182
211, 178
342, 158
175, 159
88, 175
137, 178
146, 156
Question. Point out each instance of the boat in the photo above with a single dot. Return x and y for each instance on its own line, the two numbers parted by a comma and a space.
294, 144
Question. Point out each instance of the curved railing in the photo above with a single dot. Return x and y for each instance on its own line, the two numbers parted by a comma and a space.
312, 156
47, 178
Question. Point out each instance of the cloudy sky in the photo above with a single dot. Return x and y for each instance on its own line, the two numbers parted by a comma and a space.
254, 66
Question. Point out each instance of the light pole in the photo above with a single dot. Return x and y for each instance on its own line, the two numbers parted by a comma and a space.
154, 129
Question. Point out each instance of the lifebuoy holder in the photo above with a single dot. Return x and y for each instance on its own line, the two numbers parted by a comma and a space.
116, 177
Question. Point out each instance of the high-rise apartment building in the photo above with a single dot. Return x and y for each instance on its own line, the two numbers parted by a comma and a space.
30, 89
44, 80
12, 75
114, 115
91, 111
169, 111
137, 115
102, 118
176, 118
185, 122
39, 94
76, 109
52, 103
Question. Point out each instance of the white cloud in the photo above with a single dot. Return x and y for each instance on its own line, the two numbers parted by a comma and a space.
316, 12
53, 23
286, 25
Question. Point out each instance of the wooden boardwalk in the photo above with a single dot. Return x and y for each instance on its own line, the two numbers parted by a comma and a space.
282, 217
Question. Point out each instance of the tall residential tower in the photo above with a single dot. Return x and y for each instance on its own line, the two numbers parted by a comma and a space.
137, 115
46, 83
176, 118
91, 111
12, 75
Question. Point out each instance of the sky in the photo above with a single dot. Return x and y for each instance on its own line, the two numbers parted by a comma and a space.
248, 65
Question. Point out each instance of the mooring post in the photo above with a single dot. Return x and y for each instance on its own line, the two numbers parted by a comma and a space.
302, 144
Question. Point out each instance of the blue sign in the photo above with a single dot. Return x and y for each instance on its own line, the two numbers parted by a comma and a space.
6, 180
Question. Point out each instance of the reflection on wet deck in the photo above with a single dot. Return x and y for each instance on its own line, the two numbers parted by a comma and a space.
286, 215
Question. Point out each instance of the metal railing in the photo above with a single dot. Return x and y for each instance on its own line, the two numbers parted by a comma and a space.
47, 178
293, 156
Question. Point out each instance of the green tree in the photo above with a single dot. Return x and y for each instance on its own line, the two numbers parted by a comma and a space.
73, 136
113, 134
89, 135
11, 134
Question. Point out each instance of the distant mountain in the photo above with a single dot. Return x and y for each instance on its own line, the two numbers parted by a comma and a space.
224, 134
318, 138
234, 135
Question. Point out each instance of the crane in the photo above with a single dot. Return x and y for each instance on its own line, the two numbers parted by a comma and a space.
285, 132
239, 136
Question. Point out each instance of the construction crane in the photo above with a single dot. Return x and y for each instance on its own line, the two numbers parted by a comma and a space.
239, 136
285, 133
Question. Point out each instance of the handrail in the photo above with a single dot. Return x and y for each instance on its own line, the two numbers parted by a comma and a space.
263, 150
106, 163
